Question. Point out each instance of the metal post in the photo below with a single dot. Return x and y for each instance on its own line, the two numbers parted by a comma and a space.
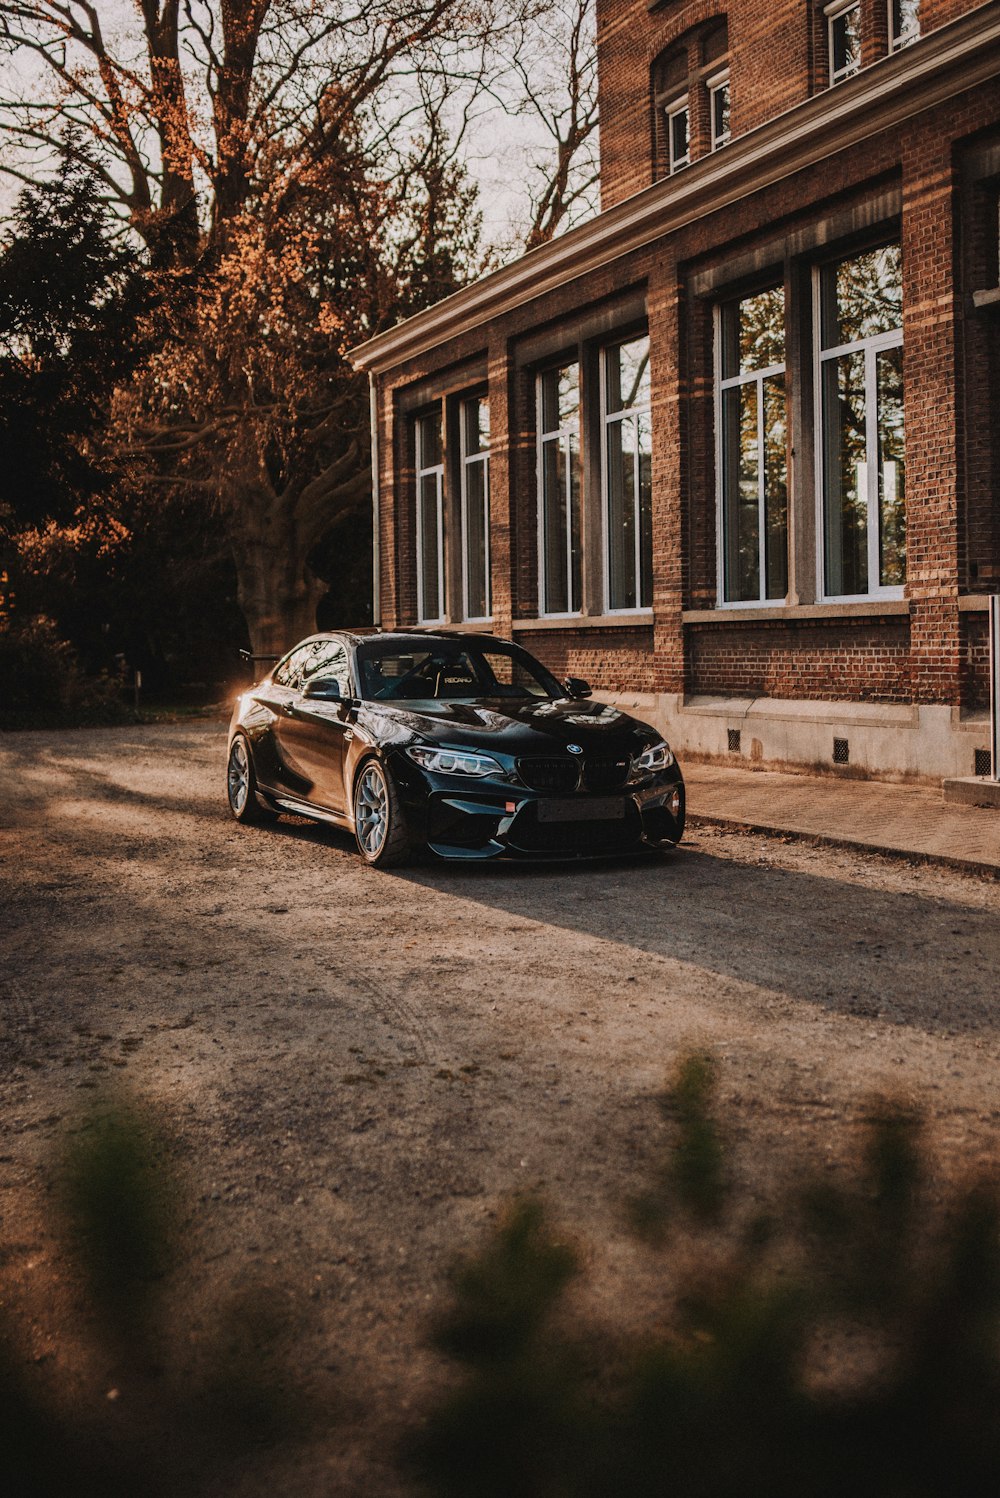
376, 506
995, 686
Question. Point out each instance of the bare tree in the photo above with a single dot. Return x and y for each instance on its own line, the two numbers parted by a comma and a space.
186, 98
556, 71
293, 169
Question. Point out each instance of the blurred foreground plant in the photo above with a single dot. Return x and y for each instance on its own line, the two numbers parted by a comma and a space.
844, 1342
142, 1406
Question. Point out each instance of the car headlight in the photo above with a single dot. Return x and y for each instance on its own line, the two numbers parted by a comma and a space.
654, 757
453, 761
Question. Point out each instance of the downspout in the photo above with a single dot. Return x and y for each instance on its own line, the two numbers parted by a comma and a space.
376, 506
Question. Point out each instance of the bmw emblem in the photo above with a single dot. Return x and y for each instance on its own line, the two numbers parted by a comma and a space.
574, 748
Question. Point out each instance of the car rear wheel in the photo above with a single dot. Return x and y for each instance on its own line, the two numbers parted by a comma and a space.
241, 785
379, 825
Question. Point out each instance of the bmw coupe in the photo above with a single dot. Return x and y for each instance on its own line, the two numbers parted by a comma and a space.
460, 744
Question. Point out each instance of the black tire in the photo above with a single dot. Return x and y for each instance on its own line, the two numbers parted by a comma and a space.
241, 785
380, 828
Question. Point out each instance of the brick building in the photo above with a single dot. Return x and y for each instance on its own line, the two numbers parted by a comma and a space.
731, 449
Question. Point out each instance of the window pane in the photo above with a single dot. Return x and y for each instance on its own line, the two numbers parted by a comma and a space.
627, 375
753, 333
621, 459
845, 473
905, 21
720, 114
845, 42
775, 488
862, 297
741, 516
429, 443
891, 468
644, 431
560, 398
554, 520
476, 524
430, 561
574, 522
477, 424
677, 126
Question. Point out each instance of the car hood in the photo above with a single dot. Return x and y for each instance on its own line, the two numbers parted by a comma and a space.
524, 727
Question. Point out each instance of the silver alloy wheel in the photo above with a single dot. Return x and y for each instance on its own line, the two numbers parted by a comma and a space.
371, 810
238, 778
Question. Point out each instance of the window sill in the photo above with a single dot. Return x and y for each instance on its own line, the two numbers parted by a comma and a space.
461, 627
874, 608
641, 620
987, 300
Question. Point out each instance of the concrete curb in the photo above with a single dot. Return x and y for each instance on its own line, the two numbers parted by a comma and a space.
829, 840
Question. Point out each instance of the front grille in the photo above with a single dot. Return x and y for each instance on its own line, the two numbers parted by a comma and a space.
605, 774
621, 835
549, 774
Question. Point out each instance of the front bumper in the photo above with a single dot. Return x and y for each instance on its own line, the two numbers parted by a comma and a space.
465, 819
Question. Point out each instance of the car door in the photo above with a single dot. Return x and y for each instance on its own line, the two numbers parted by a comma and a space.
313, 735
276, 697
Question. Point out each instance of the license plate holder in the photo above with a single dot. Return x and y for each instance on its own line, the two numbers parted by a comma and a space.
582, 809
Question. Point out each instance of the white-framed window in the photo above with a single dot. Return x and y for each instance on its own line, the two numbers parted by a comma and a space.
718, 109
626, 465
678, 116
904, 23
861, 449
557, 398
843, 38
474, 458
430, 519
751, 448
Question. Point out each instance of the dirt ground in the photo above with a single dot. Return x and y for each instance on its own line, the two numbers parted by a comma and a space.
360, 1067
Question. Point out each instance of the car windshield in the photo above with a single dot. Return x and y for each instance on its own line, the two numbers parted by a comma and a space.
416, 670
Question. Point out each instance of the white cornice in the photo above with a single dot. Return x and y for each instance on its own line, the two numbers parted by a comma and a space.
947, 62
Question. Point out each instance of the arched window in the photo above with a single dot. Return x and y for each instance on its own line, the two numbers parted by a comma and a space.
691, 97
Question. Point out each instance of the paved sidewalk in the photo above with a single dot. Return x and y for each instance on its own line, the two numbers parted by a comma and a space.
914, 821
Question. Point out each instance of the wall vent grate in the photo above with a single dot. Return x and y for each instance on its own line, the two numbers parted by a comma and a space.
983, 762
733, 735
841, 751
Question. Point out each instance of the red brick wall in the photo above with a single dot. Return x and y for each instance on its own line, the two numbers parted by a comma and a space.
613, 659
778, 52
831, 660
836, 659
975, 645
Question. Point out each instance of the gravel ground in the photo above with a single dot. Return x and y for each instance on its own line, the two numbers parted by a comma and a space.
359, 1067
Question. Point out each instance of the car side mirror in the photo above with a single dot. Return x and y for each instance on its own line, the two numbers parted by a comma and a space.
576, 687
323, 689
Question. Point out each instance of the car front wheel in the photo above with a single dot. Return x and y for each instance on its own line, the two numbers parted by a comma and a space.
379, 825
241, 785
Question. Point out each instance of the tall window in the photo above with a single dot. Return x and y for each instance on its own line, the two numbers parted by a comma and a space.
430, 519
679, 135
752, 475
860, 359
843, 38
627, 458
904, 23
558, 417
474, 420
718, 109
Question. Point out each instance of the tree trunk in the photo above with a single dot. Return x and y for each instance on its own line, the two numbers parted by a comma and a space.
277, 593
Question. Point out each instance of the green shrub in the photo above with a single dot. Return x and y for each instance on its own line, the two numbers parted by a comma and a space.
42, 685
845, 1341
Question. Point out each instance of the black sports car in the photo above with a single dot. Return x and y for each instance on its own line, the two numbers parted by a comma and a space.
461, 744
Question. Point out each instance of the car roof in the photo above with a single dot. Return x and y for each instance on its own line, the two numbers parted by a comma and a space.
390, 636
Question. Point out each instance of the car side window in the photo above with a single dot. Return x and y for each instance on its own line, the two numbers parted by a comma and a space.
329, 659
289, 671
